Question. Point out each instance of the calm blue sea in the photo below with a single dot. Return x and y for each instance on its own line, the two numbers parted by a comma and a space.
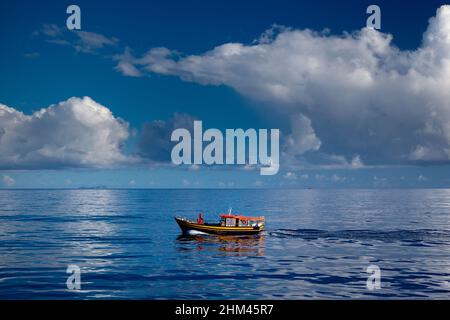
318, 244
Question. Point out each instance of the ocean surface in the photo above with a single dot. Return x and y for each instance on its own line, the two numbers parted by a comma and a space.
318, 244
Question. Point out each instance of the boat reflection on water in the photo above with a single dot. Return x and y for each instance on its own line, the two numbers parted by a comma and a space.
246, 245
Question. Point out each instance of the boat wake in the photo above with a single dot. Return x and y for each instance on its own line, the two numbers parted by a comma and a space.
195, 233
413, 236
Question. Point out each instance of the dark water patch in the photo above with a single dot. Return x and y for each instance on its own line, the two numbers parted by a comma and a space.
413, 237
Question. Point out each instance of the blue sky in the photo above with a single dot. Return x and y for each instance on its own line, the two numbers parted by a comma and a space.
38, 70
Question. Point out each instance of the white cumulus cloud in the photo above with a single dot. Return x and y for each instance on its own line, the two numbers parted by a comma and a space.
352, 94
303, 138
78, 132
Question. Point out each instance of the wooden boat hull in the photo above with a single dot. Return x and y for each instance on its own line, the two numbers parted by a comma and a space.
187, 226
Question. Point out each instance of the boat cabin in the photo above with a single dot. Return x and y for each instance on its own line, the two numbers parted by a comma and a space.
233, 220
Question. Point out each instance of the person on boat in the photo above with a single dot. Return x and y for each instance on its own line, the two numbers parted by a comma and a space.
200, 218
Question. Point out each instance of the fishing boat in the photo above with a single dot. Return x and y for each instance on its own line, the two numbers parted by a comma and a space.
229, 224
